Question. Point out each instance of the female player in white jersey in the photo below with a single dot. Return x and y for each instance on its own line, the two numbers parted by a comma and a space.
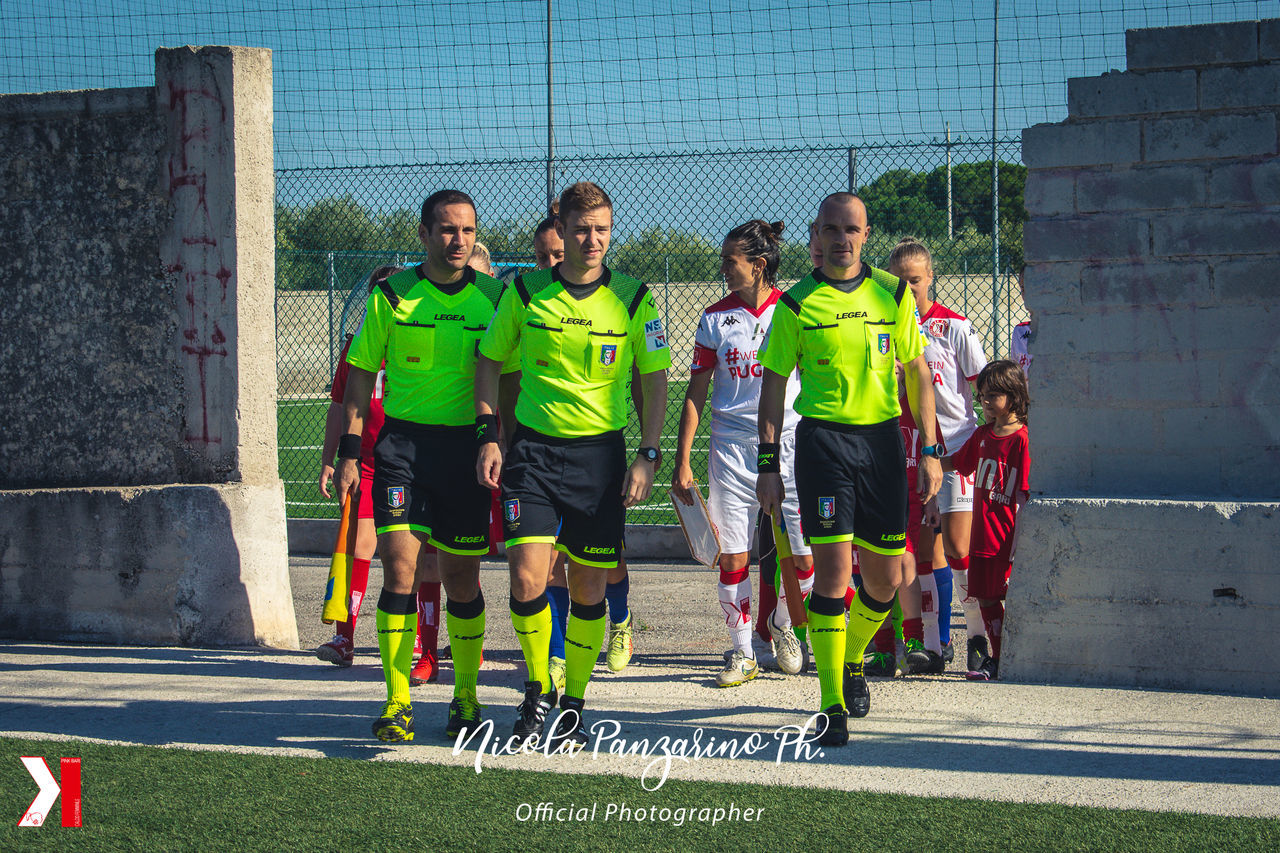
726, 349
955, 356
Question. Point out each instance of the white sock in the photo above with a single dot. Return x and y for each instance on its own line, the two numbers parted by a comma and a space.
972, 613
929, 613
735, 601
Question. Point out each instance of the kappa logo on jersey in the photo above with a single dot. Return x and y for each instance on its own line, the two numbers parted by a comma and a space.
395, 496
884, 343
511, 510
938, 326
608, 354
827, 507
654, 337
729, 320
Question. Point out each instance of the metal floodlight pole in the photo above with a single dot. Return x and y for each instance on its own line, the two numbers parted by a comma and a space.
551, 132
995, 184
951, 234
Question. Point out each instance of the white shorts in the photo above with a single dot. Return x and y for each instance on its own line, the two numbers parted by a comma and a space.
956, 494
732, 505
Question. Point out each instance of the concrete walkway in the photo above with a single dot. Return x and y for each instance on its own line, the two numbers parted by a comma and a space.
938, 735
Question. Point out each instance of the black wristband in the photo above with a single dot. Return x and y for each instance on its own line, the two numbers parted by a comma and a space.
767, 458
486, 429
349, 446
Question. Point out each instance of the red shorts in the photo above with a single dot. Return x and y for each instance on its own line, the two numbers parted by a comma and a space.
989, 577
915, 517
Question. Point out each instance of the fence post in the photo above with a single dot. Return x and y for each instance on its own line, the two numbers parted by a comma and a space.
853, 172
333, 277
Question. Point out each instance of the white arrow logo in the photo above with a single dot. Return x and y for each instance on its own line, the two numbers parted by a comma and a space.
48, 795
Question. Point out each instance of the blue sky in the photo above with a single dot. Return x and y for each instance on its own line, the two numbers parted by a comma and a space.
370, 82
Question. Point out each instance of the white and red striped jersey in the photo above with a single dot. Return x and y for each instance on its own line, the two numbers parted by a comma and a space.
955, 357
730, 334
1019, 346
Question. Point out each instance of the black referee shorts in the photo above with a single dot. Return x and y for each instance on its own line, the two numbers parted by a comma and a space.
567, 491
424, 479
852, 485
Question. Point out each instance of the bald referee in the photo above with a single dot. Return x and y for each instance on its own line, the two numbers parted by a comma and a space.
844, 325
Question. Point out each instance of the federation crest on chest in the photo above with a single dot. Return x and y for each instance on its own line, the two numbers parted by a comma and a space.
608, 354
882, 343
938, 327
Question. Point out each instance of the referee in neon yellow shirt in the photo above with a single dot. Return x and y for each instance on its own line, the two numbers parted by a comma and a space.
578, 328
844, 325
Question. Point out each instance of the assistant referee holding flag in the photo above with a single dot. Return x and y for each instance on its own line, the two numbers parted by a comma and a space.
425, 323
844, 326
578, 328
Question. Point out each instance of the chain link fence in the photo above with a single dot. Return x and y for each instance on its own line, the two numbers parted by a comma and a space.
334, 226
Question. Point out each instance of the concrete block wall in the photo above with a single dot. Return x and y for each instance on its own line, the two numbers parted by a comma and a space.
1153, 250
138, 351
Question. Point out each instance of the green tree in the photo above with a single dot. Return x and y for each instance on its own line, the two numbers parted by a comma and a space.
667, 254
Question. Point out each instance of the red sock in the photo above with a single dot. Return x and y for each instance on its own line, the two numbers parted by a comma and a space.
924, 568
429, 615
993, 620
848, 597
959, 564
884, 638
359, 583
913, 629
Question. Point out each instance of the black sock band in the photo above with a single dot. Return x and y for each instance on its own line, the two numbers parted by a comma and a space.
824, 606
465, 609
871, 604
588, 611
398, 603
529, 608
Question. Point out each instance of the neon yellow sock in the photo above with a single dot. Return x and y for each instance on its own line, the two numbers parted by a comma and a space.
466, 643
863, 624
396, 632
534, 633
897, 618
827, 641
582, 641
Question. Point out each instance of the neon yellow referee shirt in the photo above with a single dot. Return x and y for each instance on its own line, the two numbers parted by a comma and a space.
429, 336
845, 345
576, 354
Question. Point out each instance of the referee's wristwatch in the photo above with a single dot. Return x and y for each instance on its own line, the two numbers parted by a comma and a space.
648, 454
935, 450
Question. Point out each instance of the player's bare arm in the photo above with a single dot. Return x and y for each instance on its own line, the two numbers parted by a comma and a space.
355, 408
332, 429
919, 382
773, 394
489, 456
639, 481
695, 397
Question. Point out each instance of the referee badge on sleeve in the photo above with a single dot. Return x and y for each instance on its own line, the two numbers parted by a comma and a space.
826, 507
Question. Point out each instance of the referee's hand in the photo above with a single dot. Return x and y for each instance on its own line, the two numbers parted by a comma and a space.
929, 479
489, 464
638, 484
770, 493
347, 480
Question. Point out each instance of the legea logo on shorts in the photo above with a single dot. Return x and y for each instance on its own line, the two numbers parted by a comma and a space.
511, 510
827, 507
593, 550
395, 496
469, 539
50, 789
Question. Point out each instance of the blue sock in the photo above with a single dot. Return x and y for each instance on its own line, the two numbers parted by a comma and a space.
942, 575
558, 596
616, 595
